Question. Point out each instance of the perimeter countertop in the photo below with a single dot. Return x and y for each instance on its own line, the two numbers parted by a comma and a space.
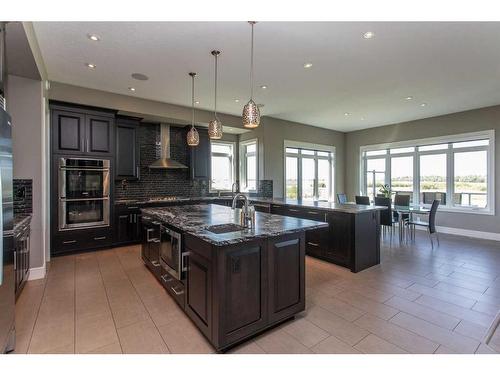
195, 219
327, 206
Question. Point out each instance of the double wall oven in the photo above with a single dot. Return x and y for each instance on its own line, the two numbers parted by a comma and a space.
84, 200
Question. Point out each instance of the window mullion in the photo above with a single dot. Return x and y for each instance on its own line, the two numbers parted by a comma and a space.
450, 173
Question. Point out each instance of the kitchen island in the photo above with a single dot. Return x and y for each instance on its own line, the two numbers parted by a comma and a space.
232, 282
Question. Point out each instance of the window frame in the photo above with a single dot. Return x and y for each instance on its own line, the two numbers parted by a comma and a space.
243, 164
317, 148
233, 163
449, 151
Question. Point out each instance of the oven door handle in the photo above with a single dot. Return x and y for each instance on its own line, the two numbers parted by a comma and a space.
84, 169
183, 261
82, 199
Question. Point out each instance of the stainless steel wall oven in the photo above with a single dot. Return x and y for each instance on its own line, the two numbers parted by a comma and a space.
84, 200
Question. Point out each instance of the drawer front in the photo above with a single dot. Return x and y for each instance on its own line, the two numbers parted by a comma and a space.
316, 242
313, 214
175, 288
76, 241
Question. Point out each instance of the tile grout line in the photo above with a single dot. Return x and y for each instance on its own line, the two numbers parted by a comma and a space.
37, 313
142, 302
109, 304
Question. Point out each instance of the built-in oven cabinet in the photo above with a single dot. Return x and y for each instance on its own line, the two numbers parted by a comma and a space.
77, 130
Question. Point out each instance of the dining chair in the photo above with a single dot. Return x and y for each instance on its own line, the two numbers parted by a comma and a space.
385, 215
361, 199
342, 198
404, 201
431, 224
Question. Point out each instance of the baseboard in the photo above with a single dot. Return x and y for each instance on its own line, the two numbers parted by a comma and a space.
37, 273
465, 233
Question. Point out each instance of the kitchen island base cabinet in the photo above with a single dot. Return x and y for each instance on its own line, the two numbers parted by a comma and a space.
237, 291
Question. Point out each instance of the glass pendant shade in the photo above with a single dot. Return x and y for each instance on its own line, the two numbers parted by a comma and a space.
193, 138
251, 115
215, 129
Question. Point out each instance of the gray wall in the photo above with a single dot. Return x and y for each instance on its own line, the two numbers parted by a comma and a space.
25, 105
456, 123
271, 136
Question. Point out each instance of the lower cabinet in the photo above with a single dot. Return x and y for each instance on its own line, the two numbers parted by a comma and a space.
127, 225
235, 291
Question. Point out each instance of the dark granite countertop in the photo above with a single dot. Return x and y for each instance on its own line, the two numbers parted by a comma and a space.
20, 221
194, 219
327, 206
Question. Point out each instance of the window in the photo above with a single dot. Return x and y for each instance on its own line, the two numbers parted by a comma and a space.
222, 159
248, 165
309, 171
457, 170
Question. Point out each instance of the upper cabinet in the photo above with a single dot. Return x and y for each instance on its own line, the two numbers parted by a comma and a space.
200, 157
127, 149
81, 131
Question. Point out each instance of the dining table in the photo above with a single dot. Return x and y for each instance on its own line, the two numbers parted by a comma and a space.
410, 211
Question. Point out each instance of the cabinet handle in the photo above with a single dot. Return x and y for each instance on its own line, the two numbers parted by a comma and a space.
155, 263
148, 232
69, 242
99, 238
313, 212
15, 260
313, 244
133, 208
165, 278
176, 292
183, 261
293, 210
137, 170
135, 218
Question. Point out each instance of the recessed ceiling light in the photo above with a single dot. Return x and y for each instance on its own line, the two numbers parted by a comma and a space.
131, 88
263, 87
347, 114
368, 35
362, 119
90, 65
423, 104
237, 100
308, 65
409, 98
197, 102
94, 37
140, 76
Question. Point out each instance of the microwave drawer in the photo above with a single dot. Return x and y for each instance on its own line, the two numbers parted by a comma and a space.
79, 240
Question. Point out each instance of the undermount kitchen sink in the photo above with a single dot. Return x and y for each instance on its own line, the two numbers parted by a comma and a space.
225, 228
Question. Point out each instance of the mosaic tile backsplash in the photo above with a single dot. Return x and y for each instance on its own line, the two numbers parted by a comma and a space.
23, 196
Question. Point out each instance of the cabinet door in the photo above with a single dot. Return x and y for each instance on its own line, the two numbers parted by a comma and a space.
242, 288
127, 155
200, 157
99, 134
286, 276
199, 292
136, 229
339, 238
122, 227
68, 129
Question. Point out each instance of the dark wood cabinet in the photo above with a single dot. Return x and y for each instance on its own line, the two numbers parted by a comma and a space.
127, 154
286, 276
199, 161
80, 240
79, 130
199, 291
127, 225
68, 129
351, 240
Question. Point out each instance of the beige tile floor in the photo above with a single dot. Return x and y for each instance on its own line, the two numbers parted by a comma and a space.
418, 300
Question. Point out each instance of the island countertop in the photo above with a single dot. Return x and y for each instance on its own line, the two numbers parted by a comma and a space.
195, 219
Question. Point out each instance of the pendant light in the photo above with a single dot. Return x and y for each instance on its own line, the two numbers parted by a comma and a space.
215, 126
251, 113
193, 138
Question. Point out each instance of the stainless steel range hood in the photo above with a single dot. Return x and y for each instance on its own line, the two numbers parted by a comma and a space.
165, 162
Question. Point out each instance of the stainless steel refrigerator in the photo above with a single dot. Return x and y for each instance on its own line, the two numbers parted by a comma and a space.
7, 299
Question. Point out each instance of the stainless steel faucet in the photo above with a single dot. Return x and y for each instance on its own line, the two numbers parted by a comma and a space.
235, 188
245, 214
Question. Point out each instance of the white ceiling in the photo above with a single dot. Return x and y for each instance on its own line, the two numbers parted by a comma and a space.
450, 66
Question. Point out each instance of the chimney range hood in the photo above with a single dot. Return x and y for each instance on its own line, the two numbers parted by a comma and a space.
165, 162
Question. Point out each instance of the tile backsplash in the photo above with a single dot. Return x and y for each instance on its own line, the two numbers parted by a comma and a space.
160, 182
23, 196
